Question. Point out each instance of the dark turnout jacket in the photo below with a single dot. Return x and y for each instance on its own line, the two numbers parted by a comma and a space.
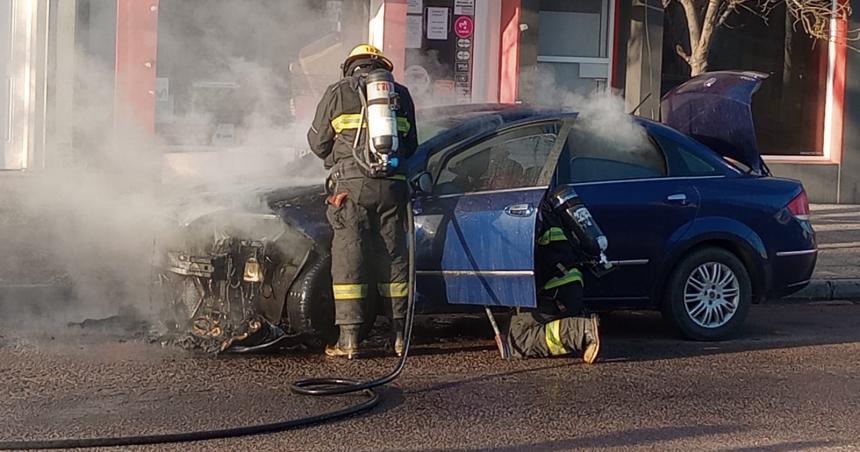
338, 118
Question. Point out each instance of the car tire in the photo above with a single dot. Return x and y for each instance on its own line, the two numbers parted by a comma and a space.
708, 295
310, 304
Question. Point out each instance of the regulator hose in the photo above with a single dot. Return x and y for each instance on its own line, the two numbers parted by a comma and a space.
311, 386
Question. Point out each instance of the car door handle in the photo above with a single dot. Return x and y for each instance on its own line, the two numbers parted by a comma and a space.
520, 210
678, 197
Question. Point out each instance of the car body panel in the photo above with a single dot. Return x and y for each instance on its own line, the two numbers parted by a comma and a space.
755, 207
471, 249
626, 210
742, 211
714, 108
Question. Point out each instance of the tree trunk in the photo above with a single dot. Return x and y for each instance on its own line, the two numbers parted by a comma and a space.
701, 30
698, 64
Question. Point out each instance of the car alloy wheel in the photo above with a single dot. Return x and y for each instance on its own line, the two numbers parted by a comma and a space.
708, 294
711, 295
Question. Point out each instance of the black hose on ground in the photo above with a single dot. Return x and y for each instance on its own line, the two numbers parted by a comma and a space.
311, 386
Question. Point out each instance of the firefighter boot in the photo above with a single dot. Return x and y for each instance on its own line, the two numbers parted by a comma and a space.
591, 341
397, 339
347, 343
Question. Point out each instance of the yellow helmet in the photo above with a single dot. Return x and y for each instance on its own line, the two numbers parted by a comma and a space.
367, 51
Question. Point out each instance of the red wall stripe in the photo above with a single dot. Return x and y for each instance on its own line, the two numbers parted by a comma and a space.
136, 51
509, 52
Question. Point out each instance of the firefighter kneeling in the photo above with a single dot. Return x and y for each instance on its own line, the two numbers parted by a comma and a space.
568, 238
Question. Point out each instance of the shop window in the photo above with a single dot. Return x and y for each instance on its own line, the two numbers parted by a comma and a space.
572, 45
20, 71
6, 151
229, 72
573, 29
789, 108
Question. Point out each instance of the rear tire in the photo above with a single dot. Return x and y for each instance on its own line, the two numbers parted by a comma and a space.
708, 295
310, 304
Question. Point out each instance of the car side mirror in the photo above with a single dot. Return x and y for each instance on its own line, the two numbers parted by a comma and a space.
421, 183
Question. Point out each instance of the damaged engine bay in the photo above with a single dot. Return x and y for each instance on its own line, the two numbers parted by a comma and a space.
223, 278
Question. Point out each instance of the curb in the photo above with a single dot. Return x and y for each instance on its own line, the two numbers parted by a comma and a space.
828, 290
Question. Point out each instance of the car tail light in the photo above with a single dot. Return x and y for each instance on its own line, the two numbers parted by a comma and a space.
799, 206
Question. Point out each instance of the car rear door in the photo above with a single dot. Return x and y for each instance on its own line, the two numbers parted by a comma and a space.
643, 211
475, 231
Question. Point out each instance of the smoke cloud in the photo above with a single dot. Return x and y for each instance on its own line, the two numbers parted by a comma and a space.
89, 221
601, 112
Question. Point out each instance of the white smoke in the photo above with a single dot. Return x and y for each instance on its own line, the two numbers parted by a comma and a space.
89, 220
600, 112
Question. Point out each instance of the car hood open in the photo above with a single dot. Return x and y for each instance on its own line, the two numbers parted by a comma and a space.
714, 108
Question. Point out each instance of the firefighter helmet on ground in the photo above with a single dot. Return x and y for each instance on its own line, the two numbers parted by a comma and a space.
367, 51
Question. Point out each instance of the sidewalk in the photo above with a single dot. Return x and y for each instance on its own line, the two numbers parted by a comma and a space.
837, 273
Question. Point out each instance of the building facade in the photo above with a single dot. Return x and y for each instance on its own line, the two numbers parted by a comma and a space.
204, 75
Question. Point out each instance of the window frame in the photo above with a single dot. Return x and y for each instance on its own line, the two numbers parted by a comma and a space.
651, 139
447, 154
662, 142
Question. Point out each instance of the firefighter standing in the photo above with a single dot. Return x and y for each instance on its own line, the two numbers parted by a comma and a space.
366, 206
556, 326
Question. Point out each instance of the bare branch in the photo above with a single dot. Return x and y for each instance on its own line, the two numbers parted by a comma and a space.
727, 11
815, 17
681, 53
693, 25
708, 26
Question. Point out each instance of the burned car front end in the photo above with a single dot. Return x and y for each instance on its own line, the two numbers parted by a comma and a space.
223, 276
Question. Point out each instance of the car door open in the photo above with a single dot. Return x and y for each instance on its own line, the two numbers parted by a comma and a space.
475, 232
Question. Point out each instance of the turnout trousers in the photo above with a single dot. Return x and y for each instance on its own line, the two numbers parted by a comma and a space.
368, 249
547, 330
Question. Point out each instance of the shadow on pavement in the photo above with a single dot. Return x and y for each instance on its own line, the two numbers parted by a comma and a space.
486, 377
645, 336
633, 336
625, 438
788, 446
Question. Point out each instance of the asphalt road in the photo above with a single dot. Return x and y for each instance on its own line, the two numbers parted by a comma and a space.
791, 382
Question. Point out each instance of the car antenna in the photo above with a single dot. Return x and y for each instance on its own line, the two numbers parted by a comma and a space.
633, 112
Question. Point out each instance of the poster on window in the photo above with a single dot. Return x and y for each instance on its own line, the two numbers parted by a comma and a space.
414, 6
464, 7
413, 32
437, 23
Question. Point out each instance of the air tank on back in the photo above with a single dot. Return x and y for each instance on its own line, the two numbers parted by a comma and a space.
381, 115
579, 226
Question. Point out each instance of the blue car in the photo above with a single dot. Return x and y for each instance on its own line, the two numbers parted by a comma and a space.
697, 226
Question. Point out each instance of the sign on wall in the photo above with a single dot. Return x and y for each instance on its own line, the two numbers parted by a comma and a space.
440, 51
437, 23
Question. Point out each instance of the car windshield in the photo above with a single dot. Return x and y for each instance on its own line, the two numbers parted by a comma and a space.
430, 126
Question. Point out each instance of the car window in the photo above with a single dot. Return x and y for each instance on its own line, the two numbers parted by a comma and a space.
682, 161
589, 156
512, 160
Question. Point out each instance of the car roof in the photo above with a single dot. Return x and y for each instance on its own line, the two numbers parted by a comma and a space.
506, 112
462, 122
459, 122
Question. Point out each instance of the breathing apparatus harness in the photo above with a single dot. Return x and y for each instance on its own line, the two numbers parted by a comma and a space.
379, 104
